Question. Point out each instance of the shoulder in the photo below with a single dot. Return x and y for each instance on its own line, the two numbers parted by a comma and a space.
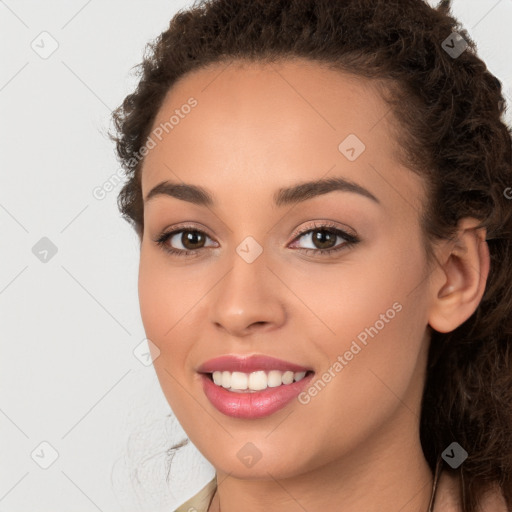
201, 500
448, 497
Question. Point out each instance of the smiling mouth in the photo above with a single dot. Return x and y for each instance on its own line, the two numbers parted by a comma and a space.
241, 382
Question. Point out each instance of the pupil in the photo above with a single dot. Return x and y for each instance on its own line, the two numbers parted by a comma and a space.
320, 236
190, 236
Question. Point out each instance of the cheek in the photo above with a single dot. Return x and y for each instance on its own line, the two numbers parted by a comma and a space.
167, 295
374, 362
362, 292
163, 312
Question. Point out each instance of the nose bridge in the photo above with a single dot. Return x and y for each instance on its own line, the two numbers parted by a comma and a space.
249, 293
249, 273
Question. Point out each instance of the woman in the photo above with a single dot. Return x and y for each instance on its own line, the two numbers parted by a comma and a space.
319, 188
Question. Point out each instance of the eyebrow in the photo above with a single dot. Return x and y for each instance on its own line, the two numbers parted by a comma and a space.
284, 196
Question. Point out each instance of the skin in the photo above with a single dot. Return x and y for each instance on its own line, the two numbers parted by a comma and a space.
258, 127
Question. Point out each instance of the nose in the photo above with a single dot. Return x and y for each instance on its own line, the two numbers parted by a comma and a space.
249, 298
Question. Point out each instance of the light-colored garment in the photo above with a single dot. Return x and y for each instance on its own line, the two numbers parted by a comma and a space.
200, 501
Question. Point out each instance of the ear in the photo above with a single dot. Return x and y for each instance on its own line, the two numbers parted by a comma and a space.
459, 282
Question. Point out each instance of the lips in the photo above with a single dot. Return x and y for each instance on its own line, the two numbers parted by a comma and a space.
249, 364
253, 404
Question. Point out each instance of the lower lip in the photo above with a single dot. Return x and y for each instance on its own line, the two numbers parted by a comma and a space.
256, 404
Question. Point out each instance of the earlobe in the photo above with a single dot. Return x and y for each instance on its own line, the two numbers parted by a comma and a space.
463, 273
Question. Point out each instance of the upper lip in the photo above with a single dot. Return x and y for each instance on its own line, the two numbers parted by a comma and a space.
248, 364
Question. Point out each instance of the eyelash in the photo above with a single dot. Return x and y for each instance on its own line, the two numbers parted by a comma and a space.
350, 240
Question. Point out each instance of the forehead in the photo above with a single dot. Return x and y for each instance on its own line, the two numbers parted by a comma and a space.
272, 123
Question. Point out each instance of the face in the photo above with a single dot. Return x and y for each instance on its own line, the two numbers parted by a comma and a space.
252, 275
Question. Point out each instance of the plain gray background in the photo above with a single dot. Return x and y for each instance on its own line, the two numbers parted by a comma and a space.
73, 395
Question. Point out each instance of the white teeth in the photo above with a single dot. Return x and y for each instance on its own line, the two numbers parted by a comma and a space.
287, 377
239, 380
255, 381
226, 379
217, 378
274, 378
299, 376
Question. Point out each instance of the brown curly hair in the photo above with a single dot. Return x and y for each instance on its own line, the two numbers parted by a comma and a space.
449, 114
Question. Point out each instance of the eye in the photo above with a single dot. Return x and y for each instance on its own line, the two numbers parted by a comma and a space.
191, 239
323, 238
